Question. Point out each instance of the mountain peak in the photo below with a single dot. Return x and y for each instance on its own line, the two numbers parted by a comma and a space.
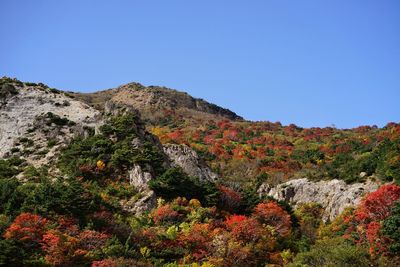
156, 102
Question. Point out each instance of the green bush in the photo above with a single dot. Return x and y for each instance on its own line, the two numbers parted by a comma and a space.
388, 166
11, 198
175, 183
331, 253
67, 197
9, 168
57, 120
11, 254
391, 229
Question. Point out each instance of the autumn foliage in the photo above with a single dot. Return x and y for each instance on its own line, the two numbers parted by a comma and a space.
27, 228
270, 213
364, 225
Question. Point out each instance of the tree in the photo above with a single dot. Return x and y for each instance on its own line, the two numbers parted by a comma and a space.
378, 205
164, 214
11, 254
66, 250
270, 213
175, 183
27, 228
229, 200
310, 219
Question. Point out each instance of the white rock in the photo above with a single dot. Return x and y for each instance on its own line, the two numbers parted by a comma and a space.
145, 202
186, 158
20, 111
334, 195
139, 178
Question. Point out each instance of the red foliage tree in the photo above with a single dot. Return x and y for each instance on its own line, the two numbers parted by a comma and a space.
270, 213
198, 240
364, 226
65, 250
104, 263
27, 228
62, 249
229, 198
233, 220
377, 205
164, 213
90, 240
245, 229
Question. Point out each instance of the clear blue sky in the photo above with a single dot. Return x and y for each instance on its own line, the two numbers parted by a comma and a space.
313, 63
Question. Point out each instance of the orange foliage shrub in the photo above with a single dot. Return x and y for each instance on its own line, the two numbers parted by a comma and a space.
164, 213
27, 228
270, 213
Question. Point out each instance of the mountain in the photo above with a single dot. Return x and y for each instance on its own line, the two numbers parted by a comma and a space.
157, 104
149, 176
240, 150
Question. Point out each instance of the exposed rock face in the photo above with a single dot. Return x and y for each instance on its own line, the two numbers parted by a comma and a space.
31, 116
189, 161
180, 156
147, 198
145, 202
139, 178
334, 195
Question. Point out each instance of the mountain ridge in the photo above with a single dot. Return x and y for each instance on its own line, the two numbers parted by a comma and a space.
156, 102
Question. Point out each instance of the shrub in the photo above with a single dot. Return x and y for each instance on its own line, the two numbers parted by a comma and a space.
333, 252
175, 183
7, 169
57, 120
270, 213
391, 229
27, 228
11, 253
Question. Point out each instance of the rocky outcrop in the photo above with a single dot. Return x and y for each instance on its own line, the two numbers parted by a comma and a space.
141, 203
36, 120
334, 195
186, 158
146, 199
139, 178
179, 156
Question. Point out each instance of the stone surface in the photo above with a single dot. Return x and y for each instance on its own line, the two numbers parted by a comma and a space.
139, 178
334, 195
146, 201
186, 158
23, 115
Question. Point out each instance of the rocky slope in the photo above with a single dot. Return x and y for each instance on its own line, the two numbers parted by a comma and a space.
334, 195
36, 121
157, 103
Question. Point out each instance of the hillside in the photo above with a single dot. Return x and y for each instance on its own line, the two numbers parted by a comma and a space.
148, 176
241, 150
